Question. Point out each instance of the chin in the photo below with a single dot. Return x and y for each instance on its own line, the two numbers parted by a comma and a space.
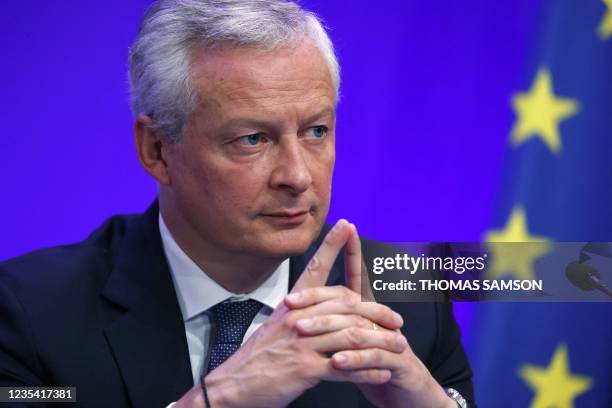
287, 243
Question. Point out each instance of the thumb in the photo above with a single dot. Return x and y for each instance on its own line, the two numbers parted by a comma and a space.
317, 270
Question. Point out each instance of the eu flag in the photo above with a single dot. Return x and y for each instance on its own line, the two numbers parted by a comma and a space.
557, 186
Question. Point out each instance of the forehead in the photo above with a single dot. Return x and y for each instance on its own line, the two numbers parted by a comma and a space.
231, 79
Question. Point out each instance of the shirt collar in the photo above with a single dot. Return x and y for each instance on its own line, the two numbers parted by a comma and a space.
198, 292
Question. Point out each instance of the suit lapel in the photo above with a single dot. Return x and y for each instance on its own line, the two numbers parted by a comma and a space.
148, 340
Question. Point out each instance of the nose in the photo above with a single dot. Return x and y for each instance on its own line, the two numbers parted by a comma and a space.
291, 172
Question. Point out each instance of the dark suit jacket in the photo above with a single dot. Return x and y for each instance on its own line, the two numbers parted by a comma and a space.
102, 315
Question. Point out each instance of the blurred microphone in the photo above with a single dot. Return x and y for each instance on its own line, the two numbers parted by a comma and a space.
585, 277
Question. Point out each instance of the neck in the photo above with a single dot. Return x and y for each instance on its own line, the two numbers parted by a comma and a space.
240, 275
235, 271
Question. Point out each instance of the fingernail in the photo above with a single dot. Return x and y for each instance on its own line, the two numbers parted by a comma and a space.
294, 297
340, 358
305, 324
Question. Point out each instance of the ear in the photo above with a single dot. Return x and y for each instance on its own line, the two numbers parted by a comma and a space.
151, 146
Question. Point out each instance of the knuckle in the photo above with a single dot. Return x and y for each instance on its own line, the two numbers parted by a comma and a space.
402, 341
391, 340
357, 358
384, 313
292, 346
380, 308
354, 337
362, 323
314, 264
324, 322
290, 320
314, 294
384, 309
349, 301
381, 376
341, 290
310, 292
307, 294
372, 375
376, 356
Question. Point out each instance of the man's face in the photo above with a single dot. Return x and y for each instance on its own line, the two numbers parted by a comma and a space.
253, 172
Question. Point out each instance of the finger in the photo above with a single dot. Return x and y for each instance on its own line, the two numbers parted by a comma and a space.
312, 296
355, 269
317, 270
355, 338
368, 376
316, 325
321, 368
367, 359
366, 288
352, 261
350, 305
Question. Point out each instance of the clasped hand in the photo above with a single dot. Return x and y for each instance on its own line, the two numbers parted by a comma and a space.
290, 352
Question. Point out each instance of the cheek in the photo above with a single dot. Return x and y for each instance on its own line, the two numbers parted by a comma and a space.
231, 188
322, 173
196, 184
324, 169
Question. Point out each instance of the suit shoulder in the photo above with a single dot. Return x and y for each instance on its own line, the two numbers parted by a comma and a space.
48, 267
371, 248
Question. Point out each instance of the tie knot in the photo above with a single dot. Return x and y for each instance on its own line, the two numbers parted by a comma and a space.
232, 319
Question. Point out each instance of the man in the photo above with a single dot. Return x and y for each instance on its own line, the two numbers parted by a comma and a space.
228, 291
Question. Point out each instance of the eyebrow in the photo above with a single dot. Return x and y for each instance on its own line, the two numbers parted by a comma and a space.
245, 121
327, 111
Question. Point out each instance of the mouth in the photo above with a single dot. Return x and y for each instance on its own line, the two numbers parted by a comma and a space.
286, 217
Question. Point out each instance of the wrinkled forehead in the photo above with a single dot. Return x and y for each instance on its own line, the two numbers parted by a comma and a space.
228, 78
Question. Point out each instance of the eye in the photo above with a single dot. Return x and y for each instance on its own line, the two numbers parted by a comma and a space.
251, 140
318, 132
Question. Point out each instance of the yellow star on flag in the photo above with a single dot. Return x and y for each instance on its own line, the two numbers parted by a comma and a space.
554, 386
515, 259
539, 113
605, 27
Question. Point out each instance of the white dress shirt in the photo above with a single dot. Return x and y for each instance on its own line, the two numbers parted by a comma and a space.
197, 293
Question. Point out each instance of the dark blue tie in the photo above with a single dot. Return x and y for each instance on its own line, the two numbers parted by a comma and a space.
232, 319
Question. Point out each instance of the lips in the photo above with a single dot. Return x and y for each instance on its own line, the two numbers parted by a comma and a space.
286, 217
287, 214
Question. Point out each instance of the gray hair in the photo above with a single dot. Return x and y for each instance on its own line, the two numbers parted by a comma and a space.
159, 60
